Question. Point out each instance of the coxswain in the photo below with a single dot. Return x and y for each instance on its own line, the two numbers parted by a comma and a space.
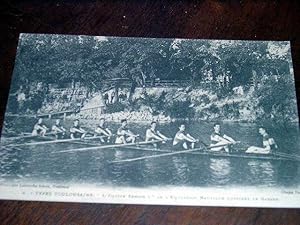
102, 131
152, 134
183, 139
124, 135
220, 140
76, 131
58, 130
269, 144
39, 128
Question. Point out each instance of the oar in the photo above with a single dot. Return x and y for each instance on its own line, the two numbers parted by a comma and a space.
19, 137
105, 147
95, 134
151, 149
54, 141
290, 156
88, 132
207, 146
146, 149
9, 132
164, 154
168, 139
154, 156
28, 136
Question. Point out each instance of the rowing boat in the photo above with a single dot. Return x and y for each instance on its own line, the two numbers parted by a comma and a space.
28, 136
244, 156
55, 141
146, 146
35, 138
106, 146
204, 151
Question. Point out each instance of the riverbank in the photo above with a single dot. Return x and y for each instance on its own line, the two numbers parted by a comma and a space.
135, 116
166, 104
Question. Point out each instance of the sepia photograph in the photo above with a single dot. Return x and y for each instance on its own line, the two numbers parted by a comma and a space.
151, 121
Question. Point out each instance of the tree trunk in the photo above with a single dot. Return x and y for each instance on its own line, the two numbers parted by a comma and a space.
116, 93
132, 90
73, 90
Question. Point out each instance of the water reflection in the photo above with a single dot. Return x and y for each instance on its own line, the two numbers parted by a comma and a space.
288, 173
117, 169
36, 162
181, 170
119, 154
152, 172
220, 171
127, 173
262, 172
10, 163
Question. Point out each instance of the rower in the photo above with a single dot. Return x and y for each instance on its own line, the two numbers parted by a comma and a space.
183, 139
269, 144
39, 128
103, 131
77, 131
58, 130
124, 135
153, 134
219, 138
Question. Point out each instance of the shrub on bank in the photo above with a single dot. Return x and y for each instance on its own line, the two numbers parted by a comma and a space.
180, 109
115, 107
274, 99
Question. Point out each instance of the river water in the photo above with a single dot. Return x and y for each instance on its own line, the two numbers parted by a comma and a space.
44, 163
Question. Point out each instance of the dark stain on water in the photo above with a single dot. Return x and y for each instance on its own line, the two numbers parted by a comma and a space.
43, 163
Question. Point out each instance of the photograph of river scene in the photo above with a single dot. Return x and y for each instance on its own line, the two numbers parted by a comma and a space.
150, 112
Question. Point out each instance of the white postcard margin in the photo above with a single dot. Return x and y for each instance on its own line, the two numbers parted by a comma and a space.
189, 196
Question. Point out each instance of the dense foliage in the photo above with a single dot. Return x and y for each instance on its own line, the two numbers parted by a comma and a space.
100, 63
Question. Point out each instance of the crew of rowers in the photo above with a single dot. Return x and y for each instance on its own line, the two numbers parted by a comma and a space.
182, 139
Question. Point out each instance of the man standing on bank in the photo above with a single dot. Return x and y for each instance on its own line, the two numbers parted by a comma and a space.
220, 140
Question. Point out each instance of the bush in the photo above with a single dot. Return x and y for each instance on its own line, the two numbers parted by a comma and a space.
13, 105
156, 103
276, 99
180, 109
204, 99
231, 110
213, 109
115, 107
223, 92
36, 101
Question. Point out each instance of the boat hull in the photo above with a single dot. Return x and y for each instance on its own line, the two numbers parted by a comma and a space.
205, 153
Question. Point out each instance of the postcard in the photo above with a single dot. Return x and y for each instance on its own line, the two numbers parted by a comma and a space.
151, 121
